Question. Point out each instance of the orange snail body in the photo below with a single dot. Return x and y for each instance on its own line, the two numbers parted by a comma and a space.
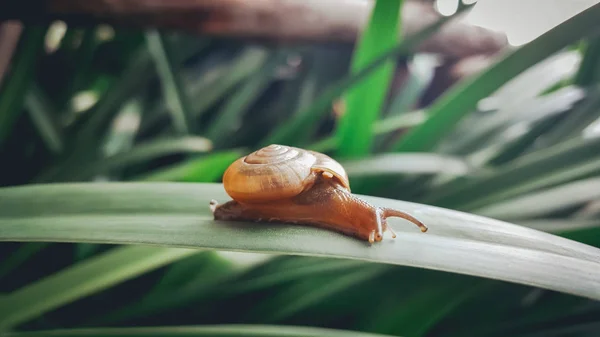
292, 185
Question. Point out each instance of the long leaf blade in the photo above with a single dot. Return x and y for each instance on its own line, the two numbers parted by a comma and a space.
458, 102
138, 213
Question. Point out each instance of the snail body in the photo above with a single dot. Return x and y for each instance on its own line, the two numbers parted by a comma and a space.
293, 185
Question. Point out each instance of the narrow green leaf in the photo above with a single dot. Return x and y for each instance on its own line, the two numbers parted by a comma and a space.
228, 119
365, 100
589, 69
557, 159
295, 128
207, 168
544, 202
461, 100
492, 124
16, 84
137, 213
381, 127
206, 330
269, 279
193, 279
82, 57
309, 292
175, 96
140, 153
82, 279
44, 115
409, 163
577, 120
21, 255
221, 80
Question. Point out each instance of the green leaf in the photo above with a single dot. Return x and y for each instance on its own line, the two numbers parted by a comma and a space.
229, 117
206, 330
173, 89
84, 278
409, 163
544, 202
589, 70
381, 127
553, 165
16, 85
140, 153
364, 100
44, 117
578, 119
207, 168
178, 215
449, 109
293, 132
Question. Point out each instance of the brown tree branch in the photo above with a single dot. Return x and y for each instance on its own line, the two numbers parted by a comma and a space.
271, 20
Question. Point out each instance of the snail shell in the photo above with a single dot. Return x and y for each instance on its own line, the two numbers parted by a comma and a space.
277, 172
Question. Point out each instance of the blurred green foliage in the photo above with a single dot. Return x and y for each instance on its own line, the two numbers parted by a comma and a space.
154, 106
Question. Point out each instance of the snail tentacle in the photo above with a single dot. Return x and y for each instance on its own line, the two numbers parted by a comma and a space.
388, 212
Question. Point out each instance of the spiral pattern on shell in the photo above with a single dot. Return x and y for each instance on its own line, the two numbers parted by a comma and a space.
276, 172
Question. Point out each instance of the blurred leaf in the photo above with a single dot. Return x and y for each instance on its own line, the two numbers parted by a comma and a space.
410, 163
365, 99
545, 201
293, 131
228, 119
381, 127
309, 292
17, 82
578, 119
286, 273
173, 89
421, 70
523, 112
205, 330
138, 154
82, 58
22, 254
136, 213
553, 165
449, 109
44, 116
189, 280
82, 279
589, 70
221, 80
208, 168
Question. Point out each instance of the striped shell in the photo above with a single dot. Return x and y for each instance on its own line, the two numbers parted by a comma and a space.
277, 172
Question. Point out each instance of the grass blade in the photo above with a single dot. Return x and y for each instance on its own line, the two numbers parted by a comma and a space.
410, 163
141, 153
293, 130
206, 330
381, 127
536, 165
208, 168
136, 213
173, 89
544, 202
18, 81
228, 119
364, 100
589, 69
44, 116
82, 279
461, 100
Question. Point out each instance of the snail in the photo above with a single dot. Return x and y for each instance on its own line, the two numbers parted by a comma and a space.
297, 186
